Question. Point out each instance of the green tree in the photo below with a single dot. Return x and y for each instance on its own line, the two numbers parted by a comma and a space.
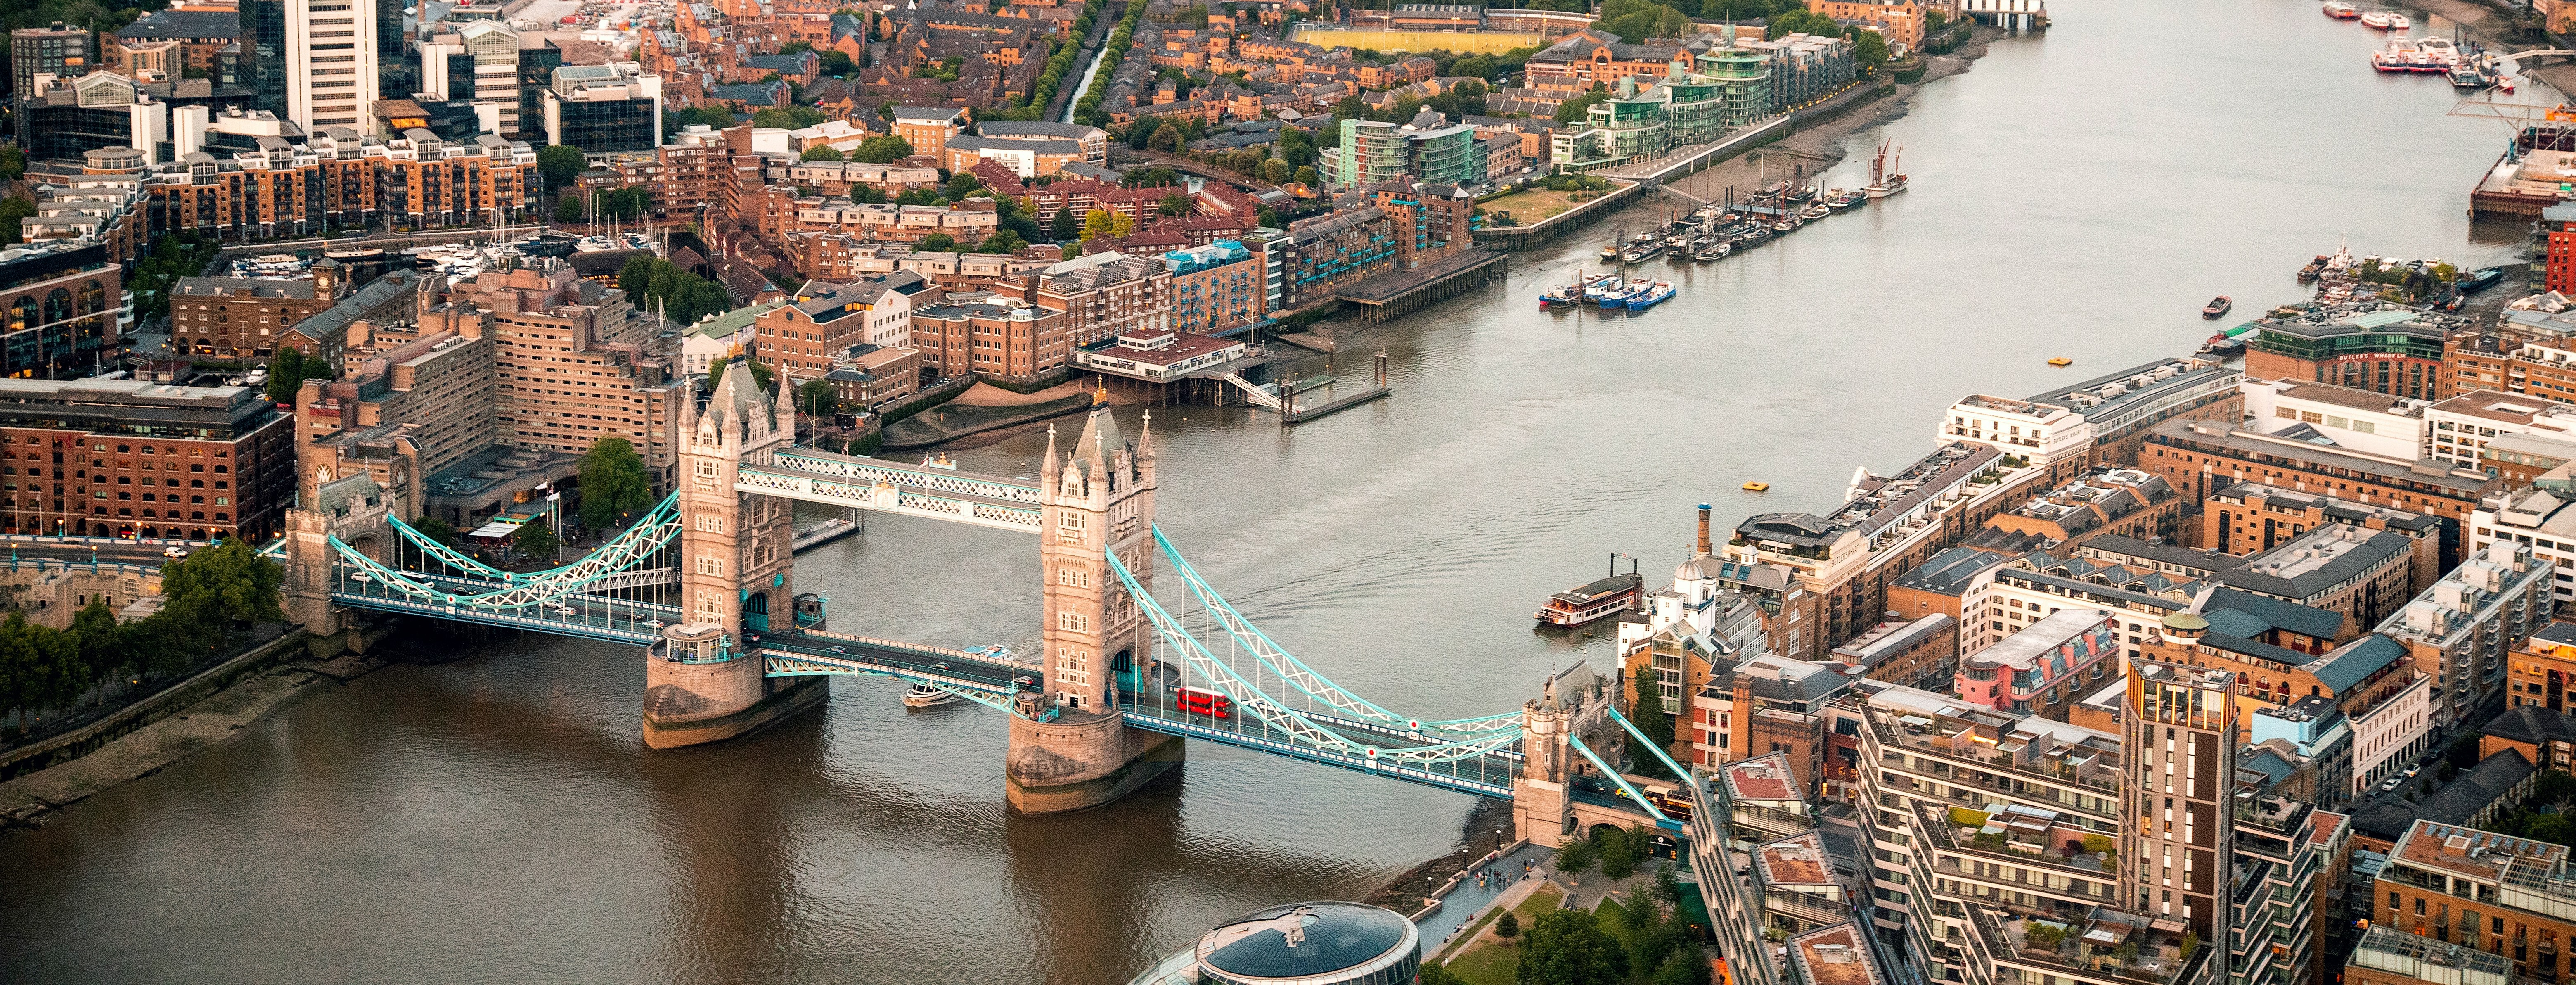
962, 184
1647, 712
13, 163
1305, 175
1508, 926
1618, 853
635, 277
437, 530
867, 195
1568, 947
1004, 242
821, 152
14, 211
559, 164
568, 209
1572, 110
817, 398
1174, 204
788, 117
614, 483
1869, 51
938, 242
536, 539
882, 150
1166, 139
797, 47
1276, 171
229, 581
918, 196
1435, 974
838, 64
1064, 226
285, 375
1803, 22
1681, 967
1576, 857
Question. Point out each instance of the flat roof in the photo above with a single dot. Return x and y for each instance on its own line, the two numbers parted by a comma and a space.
1765, 777
1797, 860
1834, 955
2460, 482
2023, 649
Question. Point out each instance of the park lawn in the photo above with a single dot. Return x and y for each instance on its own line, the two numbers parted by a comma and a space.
1531, 206
1492, 962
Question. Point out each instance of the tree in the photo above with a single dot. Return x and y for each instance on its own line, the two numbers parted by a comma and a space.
1109, 225
1869, 50
938, 242
817, 398
14, 210
1064, 226
1434, 974
797, 47
1305, 175
230, 580
536, 539
1572, 110
1636, 20
568, 209
1648, 714
1004, 242
788, 117
13, 163
882, 150
285, 375
1681, 967
436, 529
1508, 927
1618, 854
821, 152
1166, 139
1568, 947
838, 64
1276, 171
1575, 857
614, 483
1175, 204
1803, 22
559, 164
964, 183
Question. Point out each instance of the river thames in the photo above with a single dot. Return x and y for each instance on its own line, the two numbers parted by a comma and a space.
495, 818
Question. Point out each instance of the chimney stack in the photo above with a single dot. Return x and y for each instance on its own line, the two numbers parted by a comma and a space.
1704, 550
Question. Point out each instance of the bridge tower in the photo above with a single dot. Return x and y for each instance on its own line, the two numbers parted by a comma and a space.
701, 683
1095, 499
1542, 796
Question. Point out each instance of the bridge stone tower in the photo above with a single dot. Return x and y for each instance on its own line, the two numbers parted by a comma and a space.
1093, 499
351, 508
701, 684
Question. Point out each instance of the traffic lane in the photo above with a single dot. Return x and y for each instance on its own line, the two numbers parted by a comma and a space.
989, 674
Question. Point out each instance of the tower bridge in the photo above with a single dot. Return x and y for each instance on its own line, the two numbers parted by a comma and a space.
704, 583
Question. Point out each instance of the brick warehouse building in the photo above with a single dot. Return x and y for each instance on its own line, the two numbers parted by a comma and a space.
110, 458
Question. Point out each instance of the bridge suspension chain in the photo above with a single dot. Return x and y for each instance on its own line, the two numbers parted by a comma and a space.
1297, 674
651, 532
505, 597
1301, 728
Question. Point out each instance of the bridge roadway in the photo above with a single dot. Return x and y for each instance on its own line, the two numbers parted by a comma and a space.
1489, 774
809, 652
591, 617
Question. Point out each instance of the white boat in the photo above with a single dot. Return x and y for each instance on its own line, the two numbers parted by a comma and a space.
925, 696
1884, 178
2398, 21
2376, 20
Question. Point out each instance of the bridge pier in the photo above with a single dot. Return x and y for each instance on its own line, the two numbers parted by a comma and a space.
1081, 760
695, 694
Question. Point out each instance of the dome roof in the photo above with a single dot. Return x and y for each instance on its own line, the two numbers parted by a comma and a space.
2185, 622
1306, 940
1697, 569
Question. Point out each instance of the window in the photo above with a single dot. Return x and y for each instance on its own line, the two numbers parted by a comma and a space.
1073, 622
711, 524
711, 566
1073, 575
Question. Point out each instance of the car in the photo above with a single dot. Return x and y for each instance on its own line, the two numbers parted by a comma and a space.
840, 649
174, 551
653, 623
563, 610
2411, 771
751, 637
939, 666
2391, 784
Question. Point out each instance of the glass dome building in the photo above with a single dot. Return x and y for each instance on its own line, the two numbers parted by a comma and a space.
1315, 943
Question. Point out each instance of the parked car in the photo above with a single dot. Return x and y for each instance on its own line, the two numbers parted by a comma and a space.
174, 551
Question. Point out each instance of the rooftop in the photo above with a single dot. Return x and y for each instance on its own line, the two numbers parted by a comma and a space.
1798, 860
2024, 650
2471, 852
2455, 482
2318, 560
2385, 948
1833, 955
1762, 778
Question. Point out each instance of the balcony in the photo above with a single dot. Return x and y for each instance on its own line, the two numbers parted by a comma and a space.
2108, 946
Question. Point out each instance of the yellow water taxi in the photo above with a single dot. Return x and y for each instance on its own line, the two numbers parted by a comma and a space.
2061, 361
1757, 487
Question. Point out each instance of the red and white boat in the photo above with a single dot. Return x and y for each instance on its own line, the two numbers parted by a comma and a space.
1595, 600
2340, 10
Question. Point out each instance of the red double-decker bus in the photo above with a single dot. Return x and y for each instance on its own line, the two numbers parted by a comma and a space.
1198, 701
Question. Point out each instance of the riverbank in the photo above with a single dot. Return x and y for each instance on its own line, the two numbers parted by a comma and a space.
987, 412
31, 800
1405, 891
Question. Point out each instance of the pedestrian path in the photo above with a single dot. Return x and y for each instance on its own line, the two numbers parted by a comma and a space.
1469, 901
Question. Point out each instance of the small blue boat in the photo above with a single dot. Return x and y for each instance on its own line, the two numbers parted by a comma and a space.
1615, 296
1657, 293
